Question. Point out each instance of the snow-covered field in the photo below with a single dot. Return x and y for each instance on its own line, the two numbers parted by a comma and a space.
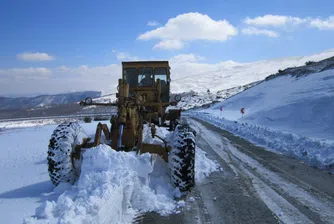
113, 186
289, 115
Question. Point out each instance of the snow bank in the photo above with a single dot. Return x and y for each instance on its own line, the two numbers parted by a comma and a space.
314, 152
115, 186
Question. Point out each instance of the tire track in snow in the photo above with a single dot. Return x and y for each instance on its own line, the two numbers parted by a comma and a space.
286, 212
295, 201
292, 192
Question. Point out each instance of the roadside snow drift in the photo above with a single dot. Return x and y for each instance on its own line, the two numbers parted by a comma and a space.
290, 115
115, 186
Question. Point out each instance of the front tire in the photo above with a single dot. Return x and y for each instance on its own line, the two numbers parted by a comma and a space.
61, 166
183, 158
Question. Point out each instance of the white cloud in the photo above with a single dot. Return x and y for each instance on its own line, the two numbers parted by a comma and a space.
274, 20
152, 23
37, 56
169, 44
27, 72
256, 31
84, 77
323, 24
62, 68
59, 79
279, 21
123, 56
190, 26
97, 71
181, 58
13, 77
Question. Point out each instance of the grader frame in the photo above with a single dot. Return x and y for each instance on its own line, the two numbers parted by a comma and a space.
138, 102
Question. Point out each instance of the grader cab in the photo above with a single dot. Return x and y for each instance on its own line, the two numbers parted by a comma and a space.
143, 98
149, 82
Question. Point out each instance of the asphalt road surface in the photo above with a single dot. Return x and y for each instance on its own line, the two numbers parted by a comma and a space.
254, 186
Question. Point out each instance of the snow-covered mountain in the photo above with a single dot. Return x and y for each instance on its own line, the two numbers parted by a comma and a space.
228, 75
45, 100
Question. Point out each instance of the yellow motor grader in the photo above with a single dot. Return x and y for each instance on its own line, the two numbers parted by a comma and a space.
142, 98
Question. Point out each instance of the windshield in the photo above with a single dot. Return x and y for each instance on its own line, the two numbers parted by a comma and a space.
145, 77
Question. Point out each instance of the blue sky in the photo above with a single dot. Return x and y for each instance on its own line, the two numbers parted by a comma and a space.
101, 33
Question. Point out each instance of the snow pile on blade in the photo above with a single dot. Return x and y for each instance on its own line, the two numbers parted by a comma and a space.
115, 186
109, 183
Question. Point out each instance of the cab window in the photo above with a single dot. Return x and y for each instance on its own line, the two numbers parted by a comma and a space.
145, 77
160, 73
130, 76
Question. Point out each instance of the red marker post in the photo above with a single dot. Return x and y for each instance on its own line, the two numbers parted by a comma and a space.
221, 109
242, 111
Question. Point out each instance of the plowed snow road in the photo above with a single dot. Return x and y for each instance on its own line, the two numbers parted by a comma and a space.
255, 186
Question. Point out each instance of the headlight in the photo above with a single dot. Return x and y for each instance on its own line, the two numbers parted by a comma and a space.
177, 98
88, 100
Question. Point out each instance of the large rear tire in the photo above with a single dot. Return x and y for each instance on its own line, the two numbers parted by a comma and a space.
61, 166
182, 157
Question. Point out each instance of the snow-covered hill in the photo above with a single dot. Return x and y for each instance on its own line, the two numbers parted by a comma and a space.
229, 75
193, 99
301, 105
